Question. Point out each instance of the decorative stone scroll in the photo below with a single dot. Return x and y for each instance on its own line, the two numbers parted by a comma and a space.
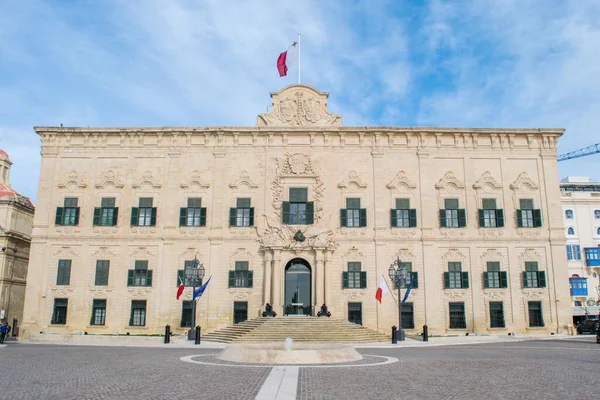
401, 182
244, 181
195, 180
73, 179
148, 179
353, 181
109, 178
524, 184
450, 183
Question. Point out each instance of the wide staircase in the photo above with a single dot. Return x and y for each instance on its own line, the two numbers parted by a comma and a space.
300, 329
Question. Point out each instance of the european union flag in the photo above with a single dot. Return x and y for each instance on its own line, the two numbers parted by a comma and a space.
408, 290
200, 291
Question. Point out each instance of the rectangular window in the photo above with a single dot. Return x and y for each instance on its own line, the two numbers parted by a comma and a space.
402, 204
578, 286
489, 219
354, 269
106, 214
573, 252
352, 212
240, 311
531, 274
63, 276
244, 214
592, 256
455, 275
457, 316
526, 204
194, 214
489, 204
186, 314
403, 216
536, 318
241, 277
496, 314
408, 316
298, 195
355, 313
452, 216
140, 275
98, 312
138, 313
145, 211
69, 213
59, 312
493, 274
527, 216
102, 267
298, 210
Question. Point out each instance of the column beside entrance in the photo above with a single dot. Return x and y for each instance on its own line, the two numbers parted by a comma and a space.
268, 265
320, 280
276, 282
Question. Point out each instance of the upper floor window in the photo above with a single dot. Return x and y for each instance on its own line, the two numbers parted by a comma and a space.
452, 216
241, 277
597, 214
598, 231
68, 214
144, 214
354, 278
403, 216
592, 256
494, 278
412, 276
194, 214
489, 215
242, 214
573, 252
532, 278
63, 275
298, 211
102, 267
353, 215
455, 278
569, 214
527, 216
570, 231
107, 213
140, 275
578, 286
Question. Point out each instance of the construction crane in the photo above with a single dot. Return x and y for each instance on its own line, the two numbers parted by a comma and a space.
586, 151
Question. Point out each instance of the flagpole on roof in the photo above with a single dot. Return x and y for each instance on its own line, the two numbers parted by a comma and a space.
298, 58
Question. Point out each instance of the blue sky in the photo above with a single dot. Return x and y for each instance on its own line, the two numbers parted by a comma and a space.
394, 63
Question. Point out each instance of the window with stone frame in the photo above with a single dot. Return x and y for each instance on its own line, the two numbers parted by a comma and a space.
138, 313
107, 213
354, 277
457, 315
241, 277
497, 314
186, 314
527, 215
102, 269
242, 214
452, 216
68, 215
63, 275
455, 278
353, 215
494, 278
59, 312
532, 277
194, 214
140, 275
403, 216
144, 214
536, 318
98, 312
489, 215
298, 210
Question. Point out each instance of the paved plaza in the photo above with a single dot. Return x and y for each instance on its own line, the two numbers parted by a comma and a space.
549, 369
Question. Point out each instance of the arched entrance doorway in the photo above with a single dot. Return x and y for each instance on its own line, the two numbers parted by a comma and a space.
297, 299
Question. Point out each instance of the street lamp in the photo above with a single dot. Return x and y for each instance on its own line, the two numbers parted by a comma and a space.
193, 272
400, 277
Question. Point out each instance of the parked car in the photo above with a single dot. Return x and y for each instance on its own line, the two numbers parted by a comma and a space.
597, 335
588, 326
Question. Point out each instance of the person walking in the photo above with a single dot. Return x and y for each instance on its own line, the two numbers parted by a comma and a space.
4, 329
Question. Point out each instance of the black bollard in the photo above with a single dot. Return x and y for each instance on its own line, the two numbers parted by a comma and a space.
197, 341
394, 335
425, 333
167, 334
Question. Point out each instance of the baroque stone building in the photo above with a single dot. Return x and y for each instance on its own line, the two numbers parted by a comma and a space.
298, 211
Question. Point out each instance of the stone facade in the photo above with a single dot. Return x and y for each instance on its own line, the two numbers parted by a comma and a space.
298, 144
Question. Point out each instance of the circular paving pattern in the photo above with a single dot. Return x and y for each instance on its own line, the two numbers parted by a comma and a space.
211, 359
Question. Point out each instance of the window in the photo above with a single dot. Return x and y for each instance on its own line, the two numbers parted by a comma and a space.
145, 214
571, 231
414, 276
403, 216
455, 278
535, 314
489, 215
298, 211
107, 213
241, 277
354, 278
457, 316
68, 215
353, 215
451, 216
355, 313
569, 214
194, 214
242, 214
240, 311
573, 252
102, 267
592, 256
598, 231
494, 278
98, 312
597, 214
59, 312
527, 216
63, 275
138, 313
532, 278
140, 275
408, 316
497, 314
578, 286
186, 314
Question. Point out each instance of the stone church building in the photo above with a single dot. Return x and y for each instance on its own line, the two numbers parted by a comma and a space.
298, 211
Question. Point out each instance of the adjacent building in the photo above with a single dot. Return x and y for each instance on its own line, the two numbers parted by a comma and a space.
16, 220
298, 211
581, 215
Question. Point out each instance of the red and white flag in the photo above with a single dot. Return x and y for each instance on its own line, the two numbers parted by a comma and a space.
382, 289
287, 59
180, 289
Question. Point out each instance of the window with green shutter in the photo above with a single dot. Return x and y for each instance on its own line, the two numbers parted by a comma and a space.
527, 215
242, 214
497, 314
59, 312
102, 268
107, 213
186, 314
63, 276
536, 318
140, 275
403, 216
489, 215
138, 313
98, 312
145, 213
68, 215
194, 214
241, 276
353, 215
354, 277
531, 275
455, 278
298, 210
452, 216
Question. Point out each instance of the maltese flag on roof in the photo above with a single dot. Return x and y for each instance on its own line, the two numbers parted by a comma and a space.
287, 59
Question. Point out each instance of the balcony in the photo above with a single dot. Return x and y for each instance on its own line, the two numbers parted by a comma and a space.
592, 256
578, 287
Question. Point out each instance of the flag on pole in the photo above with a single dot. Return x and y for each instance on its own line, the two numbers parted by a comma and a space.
381, 290
408, 290
287, 59
200, 291
180, 289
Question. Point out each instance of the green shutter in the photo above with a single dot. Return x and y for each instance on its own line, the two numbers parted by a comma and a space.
415, 279
131, 315
231, 279
97, 212
285, 212
519, 218
481, 218
393, 219
465, 280
77, 216
462, 218
442, 218
59, 216
362, 217
250, 278
153, 217
412, 218
503, 279
446, 280
537, 218
180, 278
343, 217
345, 280
500, 218
232, 216
251, 216
525, 279
130, 277
149, 277
203, 216
135, 216
363, 279
183, 216
486, 281
542, 279
115, 216
310, 213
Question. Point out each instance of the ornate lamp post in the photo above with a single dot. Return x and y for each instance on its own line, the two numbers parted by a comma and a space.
400, 277
193, 273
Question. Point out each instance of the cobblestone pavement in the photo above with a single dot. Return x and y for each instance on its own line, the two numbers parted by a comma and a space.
549, 369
